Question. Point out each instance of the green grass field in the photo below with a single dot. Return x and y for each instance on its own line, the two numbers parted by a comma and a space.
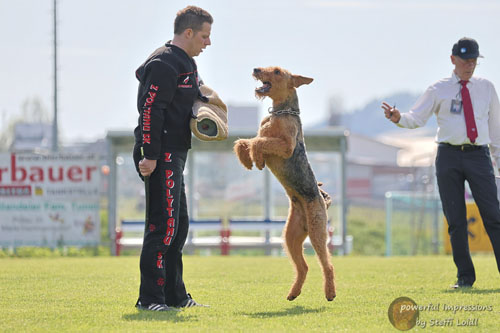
246, 294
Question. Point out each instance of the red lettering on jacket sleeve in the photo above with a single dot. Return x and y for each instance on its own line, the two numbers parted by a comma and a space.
159, 86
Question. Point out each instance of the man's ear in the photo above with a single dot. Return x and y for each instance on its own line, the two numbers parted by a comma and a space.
300, 80
452, 59
188, 33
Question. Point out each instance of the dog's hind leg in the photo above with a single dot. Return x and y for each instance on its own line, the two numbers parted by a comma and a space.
295, 234
242, 150
316, 223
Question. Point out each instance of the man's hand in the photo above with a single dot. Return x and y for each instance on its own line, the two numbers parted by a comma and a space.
146, 167
391, 112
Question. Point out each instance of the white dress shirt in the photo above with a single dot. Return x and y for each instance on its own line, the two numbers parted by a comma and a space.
438, 98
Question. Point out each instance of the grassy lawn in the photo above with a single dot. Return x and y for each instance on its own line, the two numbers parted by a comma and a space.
246, 294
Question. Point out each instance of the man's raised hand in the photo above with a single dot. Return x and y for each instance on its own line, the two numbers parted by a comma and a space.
391, 112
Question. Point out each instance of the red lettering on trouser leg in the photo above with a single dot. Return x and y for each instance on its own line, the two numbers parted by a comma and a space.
170, 211
160, 282
170, 183
159, 260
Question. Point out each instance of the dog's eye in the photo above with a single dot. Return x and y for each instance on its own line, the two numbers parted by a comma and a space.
277, 72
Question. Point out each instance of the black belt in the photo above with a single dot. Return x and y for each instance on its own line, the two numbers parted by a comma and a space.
465, 147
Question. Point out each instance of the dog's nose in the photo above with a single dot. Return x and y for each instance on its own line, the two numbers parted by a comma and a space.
256, 70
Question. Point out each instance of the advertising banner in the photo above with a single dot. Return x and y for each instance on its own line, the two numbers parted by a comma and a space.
478, 238
49, 200
498, 187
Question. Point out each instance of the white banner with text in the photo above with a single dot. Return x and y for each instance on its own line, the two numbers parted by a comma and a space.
49, 200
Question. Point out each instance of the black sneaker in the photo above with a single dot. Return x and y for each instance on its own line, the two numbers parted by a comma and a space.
154, 307
462, 283
190, 302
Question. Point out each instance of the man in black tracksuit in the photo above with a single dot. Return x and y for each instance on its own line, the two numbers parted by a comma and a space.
168, 87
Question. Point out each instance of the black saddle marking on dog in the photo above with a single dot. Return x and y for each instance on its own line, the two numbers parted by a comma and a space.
298, 174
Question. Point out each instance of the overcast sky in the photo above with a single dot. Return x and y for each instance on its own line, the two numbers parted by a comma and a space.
355, 50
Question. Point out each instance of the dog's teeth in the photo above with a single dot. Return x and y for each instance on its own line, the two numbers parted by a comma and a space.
265, 88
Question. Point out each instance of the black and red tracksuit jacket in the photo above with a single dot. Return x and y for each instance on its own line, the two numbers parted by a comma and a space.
168, 87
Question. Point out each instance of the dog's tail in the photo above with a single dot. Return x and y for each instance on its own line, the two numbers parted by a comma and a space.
326, 196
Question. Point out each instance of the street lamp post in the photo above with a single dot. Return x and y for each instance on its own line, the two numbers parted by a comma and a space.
54, 121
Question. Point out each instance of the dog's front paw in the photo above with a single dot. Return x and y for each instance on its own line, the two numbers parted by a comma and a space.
256, 154
260, 164
258, 159
247, 164
246, 161
242, 150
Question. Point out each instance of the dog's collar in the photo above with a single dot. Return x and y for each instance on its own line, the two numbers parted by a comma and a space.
284, 111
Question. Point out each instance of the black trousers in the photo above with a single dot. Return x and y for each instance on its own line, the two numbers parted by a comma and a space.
453, 167
166, 233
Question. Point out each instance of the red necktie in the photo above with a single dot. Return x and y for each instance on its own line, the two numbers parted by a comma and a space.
470, 123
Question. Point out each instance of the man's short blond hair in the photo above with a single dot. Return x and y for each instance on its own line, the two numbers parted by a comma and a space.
191, 17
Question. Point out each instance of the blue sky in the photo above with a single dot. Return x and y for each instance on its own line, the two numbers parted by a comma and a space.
356, 51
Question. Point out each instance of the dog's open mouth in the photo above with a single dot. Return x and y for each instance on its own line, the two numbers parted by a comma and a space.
266, 86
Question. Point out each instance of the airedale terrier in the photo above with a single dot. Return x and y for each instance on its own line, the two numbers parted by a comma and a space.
279, 144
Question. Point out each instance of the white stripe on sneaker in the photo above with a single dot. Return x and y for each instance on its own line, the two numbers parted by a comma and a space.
191, 303
155, 307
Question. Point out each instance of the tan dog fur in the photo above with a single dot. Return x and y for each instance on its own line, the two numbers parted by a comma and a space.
279, 144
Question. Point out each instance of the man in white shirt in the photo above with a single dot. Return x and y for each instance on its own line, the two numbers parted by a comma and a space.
468, 115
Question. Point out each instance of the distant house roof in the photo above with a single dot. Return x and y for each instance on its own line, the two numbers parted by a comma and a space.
370, 151
418, 148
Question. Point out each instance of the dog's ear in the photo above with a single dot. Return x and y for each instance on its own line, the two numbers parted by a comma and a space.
300, 80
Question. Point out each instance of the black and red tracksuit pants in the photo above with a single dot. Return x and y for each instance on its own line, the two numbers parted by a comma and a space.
165, 234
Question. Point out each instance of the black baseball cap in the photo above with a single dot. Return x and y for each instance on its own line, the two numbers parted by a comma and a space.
466, 48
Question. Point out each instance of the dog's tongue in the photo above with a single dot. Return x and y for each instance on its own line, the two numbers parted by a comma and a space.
265, 88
